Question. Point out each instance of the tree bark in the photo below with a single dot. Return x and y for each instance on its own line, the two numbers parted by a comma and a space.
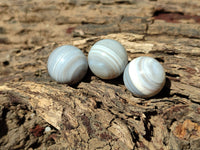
103, 114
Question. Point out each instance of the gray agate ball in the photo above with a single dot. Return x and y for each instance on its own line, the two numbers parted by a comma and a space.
67, 64
144, 77
107, 59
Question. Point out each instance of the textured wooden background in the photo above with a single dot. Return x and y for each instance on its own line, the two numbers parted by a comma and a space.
101, 114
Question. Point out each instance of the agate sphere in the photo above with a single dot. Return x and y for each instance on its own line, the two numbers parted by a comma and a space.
67, 64
107, 59
144, 77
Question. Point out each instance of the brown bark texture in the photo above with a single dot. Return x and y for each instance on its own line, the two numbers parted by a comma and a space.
103, 114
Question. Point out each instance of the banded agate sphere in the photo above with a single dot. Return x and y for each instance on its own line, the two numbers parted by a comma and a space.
107, 59
144, 77
67, 64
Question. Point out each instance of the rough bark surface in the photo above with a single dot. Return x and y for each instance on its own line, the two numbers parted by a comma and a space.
99, 114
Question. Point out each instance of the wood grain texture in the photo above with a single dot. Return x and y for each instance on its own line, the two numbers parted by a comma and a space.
103, 114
